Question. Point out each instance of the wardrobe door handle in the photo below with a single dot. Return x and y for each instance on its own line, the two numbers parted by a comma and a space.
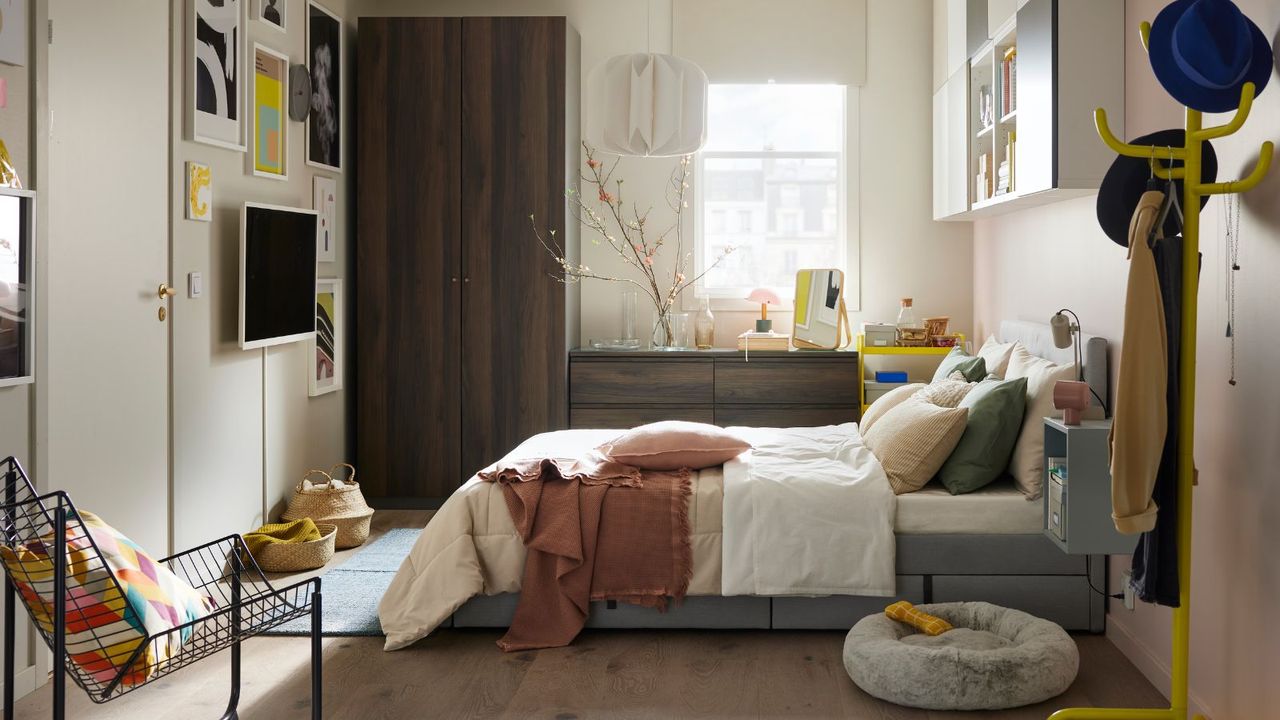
453, 279
466, 279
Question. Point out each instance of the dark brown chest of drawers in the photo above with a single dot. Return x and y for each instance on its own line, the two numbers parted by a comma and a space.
771, 389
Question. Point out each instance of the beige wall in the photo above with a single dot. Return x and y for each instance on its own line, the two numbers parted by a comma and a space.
244, 429
15, 131
902, 251
1029, 264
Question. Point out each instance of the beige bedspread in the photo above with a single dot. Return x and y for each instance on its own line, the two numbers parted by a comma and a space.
471, 546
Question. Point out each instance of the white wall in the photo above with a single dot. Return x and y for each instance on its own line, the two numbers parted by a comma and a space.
244, 430
1029, 264
903, 252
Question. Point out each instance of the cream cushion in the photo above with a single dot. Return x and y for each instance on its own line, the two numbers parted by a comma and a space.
912, 441
1027, 463
885, 403
997, 354
946, 393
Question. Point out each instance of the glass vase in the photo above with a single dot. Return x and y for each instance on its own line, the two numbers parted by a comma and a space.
704, 327
671, 331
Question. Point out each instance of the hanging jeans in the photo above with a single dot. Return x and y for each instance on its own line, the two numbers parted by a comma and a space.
1155, 560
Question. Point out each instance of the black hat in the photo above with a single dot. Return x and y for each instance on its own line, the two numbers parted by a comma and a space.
1126, 180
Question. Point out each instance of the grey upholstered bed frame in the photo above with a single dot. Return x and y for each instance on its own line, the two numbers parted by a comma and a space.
1027, 572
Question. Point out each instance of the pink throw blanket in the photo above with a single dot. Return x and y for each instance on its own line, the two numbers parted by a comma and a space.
595, 530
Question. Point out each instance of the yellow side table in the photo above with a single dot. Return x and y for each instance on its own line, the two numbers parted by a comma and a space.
863, 351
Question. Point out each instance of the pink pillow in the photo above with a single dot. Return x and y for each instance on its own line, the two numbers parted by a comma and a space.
674, 444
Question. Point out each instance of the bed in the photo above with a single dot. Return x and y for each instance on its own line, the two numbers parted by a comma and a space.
987, 545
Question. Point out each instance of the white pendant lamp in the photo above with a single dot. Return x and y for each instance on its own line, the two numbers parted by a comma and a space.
647, 104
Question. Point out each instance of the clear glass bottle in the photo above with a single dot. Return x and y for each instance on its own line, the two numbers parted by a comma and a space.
907, 316
704, 327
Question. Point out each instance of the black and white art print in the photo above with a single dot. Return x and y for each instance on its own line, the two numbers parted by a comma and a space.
218, 82
274, 14
324, 60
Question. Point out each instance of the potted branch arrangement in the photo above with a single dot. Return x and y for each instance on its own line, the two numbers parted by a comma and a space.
632, 238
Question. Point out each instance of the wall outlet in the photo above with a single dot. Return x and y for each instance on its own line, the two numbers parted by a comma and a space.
1129, 599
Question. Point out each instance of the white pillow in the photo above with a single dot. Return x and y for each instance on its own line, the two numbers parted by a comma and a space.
946, 393
1027, 463
997, 354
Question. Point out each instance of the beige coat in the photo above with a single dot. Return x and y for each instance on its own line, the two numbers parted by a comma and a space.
1141, 416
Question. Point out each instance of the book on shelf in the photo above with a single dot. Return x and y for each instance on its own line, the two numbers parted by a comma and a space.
1009, 80
764, 341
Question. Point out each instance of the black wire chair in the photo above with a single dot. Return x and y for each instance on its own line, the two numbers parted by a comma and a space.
246, 605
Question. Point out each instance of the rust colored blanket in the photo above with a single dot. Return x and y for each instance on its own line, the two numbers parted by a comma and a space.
595, 530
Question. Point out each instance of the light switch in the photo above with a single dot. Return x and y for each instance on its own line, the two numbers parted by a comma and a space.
195, 285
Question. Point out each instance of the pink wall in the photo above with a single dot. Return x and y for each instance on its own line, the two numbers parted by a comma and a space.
1029, 264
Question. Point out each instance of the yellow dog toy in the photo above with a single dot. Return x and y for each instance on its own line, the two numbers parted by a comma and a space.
905, 612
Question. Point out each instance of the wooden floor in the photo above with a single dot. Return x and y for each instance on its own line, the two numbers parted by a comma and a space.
604, 674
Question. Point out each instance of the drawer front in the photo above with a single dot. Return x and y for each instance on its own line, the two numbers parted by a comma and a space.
840, 612
629, 417
1064, 599
787, 382
783, 415
641, 382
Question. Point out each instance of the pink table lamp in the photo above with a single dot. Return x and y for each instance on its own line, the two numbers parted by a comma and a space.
765, 297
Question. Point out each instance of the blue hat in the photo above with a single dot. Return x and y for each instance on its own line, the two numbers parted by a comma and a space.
1204, 51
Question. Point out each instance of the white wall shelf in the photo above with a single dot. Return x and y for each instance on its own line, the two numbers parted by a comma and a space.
1069, 60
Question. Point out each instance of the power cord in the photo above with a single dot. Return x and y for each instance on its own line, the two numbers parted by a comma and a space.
1089, 579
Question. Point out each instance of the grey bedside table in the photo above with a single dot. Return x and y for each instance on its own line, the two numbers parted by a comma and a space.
1077, 512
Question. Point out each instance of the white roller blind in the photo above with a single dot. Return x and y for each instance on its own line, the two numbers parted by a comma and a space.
790, 41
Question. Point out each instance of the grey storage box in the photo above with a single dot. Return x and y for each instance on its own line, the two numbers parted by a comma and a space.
876, 390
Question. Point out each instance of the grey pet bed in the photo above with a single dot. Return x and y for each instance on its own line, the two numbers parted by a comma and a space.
995, 658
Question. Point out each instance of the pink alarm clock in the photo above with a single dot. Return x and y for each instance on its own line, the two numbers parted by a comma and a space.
1072, 398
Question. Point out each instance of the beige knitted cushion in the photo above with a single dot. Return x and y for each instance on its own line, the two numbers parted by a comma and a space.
946, 393
885, 403
912, 441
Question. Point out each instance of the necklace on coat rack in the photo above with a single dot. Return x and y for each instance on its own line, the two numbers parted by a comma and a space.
1231, 261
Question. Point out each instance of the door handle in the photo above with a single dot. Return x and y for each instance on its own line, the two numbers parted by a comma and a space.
164, 291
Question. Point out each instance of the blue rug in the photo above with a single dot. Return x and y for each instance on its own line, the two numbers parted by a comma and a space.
352, 590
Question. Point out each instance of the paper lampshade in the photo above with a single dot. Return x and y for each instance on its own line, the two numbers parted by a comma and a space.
647, 104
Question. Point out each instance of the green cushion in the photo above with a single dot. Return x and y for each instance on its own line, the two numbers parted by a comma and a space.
995, 419
973, 368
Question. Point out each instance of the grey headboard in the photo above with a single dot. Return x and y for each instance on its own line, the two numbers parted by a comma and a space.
1038, 339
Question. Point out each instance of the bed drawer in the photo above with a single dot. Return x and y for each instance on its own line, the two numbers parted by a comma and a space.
617, 416
641, 382
840, 612
783, 415
1063, 599
780, 381
714, 613
985, 555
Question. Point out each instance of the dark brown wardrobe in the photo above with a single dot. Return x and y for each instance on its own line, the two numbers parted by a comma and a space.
466, 126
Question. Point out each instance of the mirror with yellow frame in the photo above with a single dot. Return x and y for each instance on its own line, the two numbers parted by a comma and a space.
821, 322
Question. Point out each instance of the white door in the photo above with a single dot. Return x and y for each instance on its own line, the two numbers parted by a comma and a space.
107, 378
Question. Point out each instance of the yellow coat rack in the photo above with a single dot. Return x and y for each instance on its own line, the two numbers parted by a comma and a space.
1192, 191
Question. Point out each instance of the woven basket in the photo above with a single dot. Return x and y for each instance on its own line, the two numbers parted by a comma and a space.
296, 557
344, 507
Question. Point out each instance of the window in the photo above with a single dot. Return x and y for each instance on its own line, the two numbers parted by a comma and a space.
775, 159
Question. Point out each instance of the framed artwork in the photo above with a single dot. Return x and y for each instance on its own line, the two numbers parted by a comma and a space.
274, 13
217, 73
17, 287
324, 194
199, 192
326, 370
270, 124
13, 32
324, 59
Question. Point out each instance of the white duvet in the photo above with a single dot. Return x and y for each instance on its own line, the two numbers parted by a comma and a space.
807, 512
